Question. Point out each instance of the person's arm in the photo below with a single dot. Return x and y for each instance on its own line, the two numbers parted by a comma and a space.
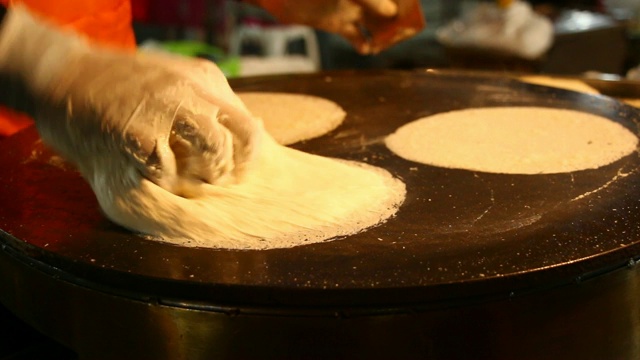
31, 56
176, 121
13, 92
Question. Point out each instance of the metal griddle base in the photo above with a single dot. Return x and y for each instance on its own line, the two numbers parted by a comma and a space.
474, 264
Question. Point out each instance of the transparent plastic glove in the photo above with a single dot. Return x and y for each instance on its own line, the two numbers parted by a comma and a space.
343, 17
174, 120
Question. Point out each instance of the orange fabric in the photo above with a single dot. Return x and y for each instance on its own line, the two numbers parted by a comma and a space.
107, 22
11, 121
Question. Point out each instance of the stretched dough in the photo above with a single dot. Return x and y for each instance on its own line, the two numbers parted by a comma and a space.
514, 140
287, 198
290, 118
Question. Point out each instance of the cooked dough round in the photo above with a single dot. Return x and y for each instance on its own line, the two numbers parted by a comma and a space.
560, 83
632, 102
290, 118
287, 198
514, 140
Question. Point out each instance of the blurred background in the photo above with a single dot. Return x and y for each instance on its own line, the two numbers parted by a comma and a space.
588, 35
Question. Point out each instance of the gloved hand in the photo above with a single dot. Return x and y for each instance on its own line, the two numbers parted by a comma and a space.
343, 17
174, 120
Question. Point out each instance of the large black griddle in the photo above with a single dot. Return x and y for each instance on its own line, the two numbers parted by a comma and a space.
462, 240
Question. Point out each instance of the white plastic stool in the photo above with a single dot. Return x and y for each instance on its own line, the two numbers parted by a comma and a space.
274, 40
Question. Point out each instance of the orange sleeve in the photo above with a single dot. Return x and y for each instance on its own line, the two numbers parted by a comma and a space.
107, 22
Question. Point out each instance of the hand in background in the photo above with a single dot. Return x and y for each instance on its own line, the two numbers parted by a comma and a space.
343, 17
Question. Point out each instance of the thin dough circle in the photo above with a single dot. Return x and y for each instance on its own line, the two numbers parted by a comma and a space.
560, 83
288, 198
290, 118
513, 140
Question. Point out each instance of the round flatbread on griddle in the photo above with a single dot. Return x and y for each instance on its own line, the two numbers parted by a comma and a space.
290, 118
514, 140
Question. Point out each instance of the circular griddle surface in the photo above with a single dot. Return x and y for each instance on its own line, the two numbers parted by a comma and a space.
458, 234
